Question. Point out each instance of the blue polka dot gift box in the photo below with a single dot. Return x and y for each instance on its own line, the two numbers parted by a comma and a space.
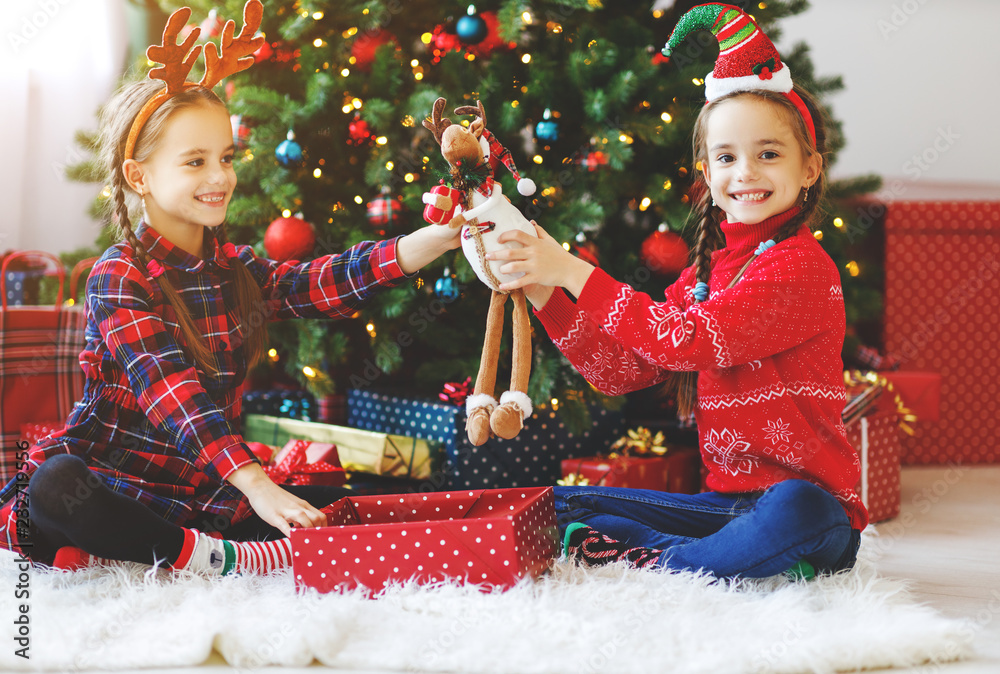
22, 287
531, 459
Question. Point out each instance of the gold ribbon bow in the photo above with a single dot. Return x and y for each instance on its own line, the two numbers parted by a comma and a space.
573, 480
640, 441
863, 378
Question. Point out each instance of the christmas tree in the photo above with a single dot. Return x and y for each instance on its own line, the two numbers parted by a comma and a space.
329, 129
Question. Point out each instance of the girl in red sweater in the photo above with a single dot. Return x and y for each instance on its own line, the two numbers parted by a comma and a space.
757, 321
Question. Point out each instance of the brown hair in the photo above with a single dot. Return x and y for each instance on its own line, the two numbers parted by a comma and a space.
116, 120
709, 217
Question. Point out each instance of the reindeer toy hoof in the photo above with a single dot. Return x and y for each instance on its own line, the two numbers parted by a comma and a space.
473, 155
508, 419
477, 423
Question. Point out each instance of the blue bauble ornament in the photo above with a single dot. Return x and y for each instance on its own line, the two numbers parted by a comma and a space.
472, 28
288, 152
548, 128
446, 288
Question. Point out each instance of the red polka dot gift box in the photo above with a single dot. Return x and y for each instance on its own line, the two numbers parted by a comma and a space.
942, 315
493, 538
876, 439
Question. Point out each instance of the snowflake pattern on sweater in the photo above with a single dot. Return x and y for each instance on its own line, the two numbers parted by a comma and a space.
770, 389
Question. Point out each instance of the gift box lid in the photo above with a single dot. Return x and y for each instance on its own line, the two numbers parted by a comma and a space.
491, 537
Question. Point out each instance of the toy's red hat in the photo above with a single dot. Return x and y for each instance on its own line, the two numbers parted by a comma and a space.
497, 155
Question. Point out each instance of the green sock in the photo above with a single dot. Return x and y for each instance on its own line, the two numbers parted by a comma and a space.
801, 570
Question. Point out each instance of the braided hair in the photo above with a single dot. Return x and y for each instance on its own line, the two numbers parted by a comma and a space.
116, 120
709, 217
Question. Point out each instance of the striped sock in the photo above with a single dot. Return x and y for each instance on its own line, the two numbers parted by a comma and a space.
596, 549
214, 556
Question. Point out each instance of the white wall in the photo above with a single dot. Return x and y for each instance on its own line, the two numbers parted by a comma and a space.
59, 60
921, 105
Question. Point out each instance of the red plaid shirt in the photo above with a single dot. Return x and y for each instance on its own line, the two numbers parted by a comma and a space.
151, 423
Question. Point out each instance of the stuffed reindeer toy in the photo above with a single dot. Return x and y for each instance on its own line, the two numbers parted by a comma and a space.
474, 201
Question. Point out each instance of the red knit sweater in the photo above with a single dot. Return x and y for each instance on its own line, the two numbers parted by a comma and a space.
770, 388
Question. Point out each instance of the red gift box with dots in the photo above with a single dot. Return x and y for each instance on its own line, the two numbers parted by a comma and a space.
488, 537
942, 315
876, 439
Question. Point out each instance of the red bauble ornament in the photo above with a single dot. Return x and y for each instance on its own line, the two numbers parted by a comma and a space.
365, 45
664, 253
359, 131
264, 53
384, 213
593, 160
442, 42
212, 26
284, 55
492, 42
289, 239
588, 252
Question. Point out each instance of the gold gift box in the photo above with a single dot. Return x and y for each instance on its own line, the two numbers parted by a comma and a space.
368, 451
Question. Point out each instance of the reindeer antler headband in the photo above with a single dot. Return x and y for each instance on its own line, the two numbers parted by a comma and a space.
176, 62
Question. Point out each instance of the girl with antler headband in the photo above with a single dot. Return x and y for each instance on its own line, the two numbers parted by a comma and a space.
151, 466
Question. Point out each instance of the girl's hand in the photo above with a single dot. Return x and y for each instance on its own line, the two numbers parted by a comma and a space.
273, 504
425, 245
446, 234
543, 261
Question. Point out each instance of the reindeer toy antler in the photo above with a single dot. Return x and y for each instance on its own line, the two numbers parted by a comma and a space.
484, 214
176, 63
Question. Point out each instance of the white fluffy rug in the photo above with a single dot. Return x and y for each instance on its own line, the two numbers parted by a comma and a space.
571, 620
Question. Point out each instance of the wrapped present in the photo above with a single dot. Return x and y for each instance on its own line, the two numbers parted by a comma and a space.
863, 391
264, 453
641, 460
281, 403
22, 286
442, 201
533, 458
491, 538
332, 409
876, 439
942, 262
305, 462
919, 391
33, 432
373, 452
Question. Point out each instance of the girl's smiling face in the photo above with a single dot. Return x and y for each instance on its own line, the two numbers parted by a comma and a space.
756, 166
189, 179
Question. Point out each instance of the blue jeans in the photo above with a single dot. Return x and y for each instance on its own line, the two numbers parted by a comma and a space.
752, 534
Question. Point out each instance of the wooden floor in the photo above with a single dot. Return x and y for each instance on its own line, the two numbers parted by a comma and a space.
945, 544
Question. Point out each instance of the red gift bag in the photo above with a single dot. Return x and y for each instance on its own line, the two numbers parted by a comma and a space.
40, 374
